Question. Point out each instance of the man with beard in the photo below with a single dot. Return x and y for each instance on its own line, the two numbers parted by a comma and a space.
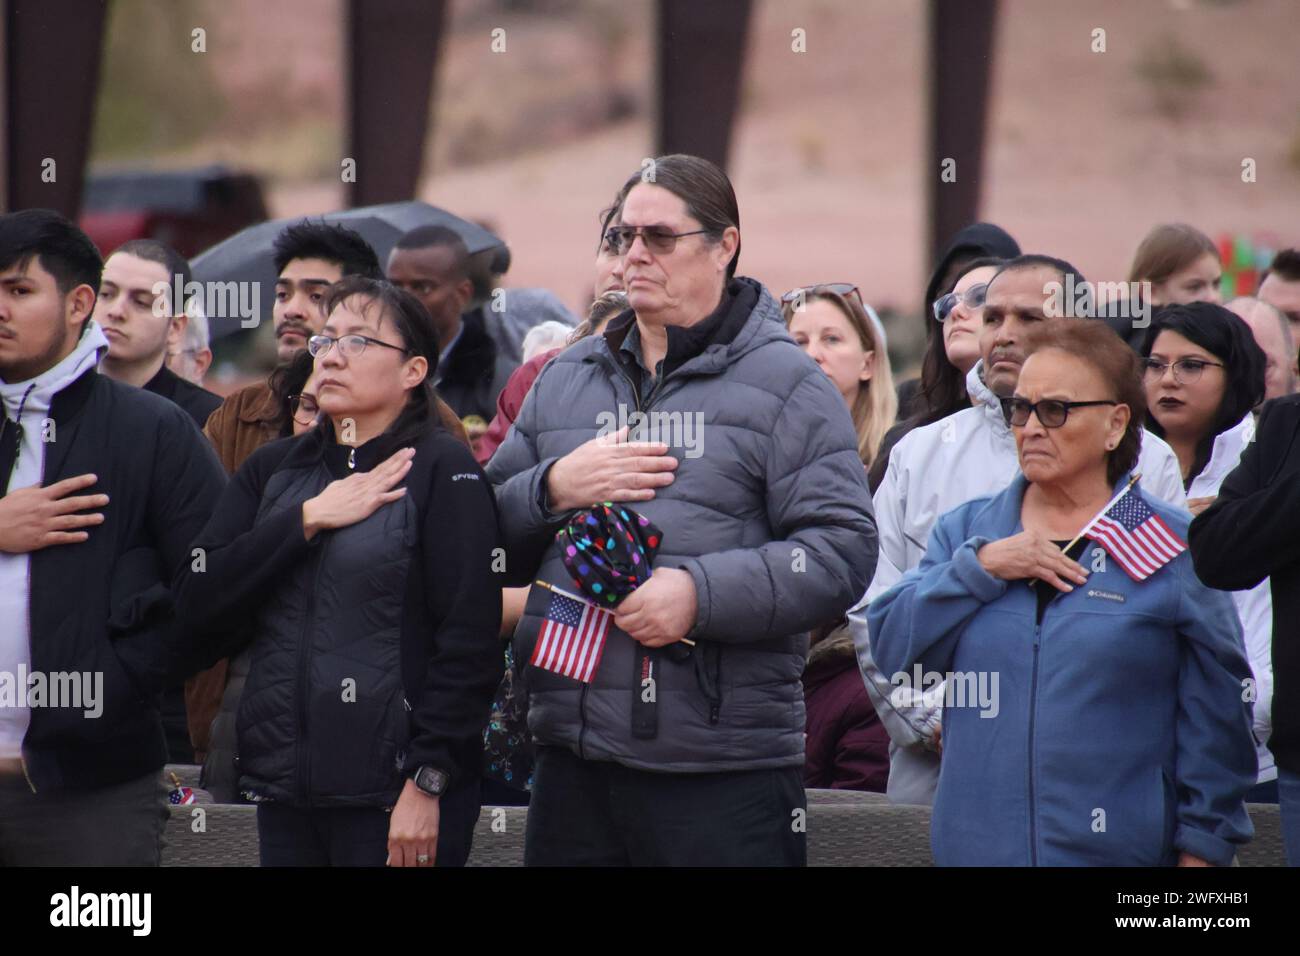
939, 466
309, 258
104, 487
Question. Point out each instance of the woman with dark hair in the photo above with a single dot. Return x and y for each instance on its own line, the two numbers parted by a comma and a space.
1217, 380
356, 561
1093, 710
1204, 377
951, 350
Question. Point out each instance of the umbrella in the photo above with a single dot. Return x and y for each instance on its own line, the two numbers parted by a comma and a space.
607, 550
247, 256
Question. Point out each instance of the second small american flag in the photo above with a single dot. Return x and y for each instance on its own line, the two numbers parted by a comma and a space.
572, 638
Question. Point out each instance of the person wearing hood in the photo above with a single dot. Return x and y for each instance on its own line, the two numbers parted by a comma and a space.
1094, 703
83, 509
941, 389
685, 753
1204, 378
937, 467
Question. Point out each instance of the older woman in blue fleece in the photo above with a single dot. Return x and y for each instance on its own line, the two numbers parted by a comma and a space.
1120, 730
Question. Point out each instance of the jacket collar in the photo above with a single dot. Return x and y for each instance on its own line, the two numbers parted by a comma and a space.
1002, 513
751, 318
1229, 445
474, 355
163, 383
70, 381
989, 404
261, 408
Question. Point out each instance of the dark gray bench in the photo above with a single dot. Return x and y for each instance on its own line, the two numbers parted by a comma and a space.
845, 828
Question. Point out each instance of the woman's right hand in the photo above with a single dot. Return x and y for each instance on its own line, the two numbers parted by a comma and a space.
1031, 554
609, 468
348, 500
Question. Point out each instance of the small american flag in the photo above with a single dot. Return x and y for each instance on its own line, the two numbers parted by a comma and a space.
1135, 536
181, 797
572, 639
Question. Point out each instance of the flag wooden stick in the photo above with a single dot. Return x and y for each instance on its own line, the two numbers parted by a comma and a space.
582, 600
1088, 527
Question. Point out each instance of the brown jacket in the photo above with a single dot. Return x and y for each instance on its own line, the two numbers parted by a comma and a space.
247, 420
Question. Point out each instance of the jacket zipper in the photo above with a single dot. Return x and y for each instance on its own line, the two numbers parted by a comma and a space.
22, 751
304, 660
582, 699
1033, 711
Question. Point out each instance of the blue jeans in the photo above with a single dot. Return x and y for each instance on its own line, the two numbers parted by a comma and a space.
1288, 791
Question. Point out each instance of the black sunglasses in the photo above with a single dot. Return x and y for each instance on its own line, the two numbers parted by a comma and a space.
1050, 411
658, 239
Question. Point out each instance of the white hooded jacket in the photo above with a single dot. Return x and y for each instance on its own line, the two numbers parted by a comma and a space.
932, 470
28, 404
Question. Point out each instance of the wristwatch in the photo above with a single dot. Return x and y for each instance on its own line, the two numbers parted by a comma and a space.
432, 780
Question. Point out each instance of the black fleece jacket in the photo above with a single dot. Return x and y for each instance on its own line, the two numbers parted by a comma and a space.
102, 606
1252, 532
450, 652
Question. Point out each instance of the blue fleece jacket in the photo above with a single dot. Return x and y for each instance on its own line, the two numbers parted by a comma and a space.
1116, 732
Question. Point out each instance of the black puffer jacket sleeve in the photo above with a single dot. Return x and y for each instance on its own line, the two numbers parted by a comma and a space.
235, 564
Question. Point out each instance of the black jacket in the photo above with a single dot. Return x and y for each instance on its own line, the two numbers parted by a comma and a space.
196, 402
103, 606
473, 375
1252, 532
374, 647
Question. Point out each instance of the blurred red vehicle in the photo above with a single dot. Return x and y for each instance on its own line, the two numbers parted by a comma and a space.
189, 209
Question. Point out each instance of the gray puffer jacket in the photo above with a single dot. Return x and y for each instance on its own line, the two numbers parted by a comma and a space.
769, 512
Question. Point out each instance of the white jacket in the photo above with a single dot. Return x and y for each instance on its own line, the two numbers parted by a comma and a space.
932, 470
1255, 605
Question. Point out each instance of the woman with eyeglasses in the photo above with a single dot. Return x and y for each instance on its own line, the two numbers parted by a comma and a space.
356, 561
1094, 710
952, 351
832, 325
1204, 378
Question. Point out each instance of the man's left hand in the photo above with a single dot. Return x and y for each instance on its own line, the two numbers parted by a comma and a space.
661, 611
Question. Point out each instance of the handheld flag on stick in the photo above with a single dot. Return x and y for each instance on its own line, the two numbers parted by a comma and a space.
1135, 536
573, 635
607, 550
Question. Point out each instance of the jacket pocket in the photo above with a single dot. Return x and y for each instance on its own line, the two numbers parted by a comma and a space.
708, 675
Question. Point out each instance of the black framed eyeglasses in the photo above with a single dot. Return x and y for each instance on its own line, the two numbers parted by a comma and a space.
1051, 412
303, 409
1187, 371
350, 345
658, 239
801, 294
972, 298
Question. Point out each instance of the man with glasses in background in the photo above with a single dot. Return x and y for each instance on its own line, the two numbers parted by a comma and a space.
939, 466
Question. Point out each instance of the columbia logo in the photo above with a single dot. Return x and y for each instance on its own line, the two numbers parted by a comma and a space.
1106, 595
466, 474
